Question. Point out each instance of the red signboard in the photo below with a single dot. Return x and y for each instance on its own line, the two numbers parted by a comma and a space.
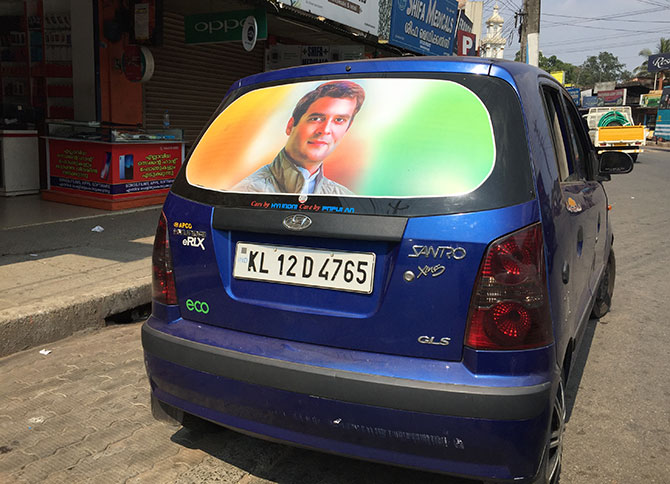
107, 170
615, 97
466, 43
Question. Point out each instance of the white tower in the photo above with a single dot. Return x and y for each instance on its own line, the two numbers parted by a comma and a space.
493, 44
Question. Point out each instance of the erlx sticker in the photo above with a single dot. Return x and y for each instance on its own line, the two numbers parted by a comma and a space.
194, 242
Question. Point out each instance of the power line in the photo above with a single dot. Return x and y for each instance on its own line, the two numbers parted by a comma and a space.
603, 19
613, 29
589, 39
649, 2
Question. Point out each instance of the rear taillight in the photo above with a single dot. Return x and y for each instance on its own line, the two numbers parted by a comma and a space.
163, 277
510, 307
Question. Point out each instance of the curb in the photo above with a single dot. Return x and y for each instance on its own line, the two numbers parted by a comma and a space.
51, 320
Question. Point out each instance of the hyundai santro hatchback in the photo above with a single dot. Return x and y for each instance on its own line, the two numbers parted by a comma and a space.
391, 260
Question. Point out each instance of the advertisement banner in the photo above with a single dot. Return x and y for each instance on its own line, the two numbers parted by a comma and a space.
559, 76
359, 14
662, 130
345, 138
281, 55
590, 101
658, 62
425, 27
103, 170
466, 44
464, 23
615, 97
575, 94
604, 86
208, 28
650, 100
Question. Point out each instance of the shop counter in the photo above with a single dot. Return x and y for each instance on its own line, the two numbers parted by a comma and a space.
111, 175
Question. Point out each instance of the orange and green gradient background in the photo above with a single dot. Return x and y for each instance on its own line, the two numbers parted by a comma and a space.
411, 138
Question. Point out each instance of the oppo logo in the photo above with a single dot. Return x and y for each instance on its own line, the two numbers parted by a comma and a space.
197, 306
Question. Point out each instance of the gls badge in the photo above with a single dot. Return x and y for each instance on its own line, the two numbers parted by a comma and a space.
431, 340
194, 242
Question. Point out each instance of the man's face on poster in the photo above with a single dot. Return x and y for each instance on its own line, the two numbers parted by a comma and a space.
319, 130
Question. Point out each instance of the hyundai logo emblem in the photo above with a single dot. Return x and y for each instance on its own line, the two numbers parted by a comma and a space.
297, 221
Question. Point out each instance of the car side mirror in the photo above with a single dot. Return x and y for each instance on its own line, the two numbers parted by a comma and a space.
615, 163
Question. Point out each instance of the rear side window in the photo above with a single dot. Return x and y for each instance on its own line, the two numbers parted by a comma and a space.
374, 145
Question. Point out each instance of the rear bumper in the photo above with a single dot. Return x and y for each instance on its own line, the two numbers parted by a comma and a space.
486, 432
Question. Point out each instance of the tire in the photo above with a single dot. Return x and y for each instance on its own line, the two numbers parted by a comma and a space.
550, 468
634, 156
603, 301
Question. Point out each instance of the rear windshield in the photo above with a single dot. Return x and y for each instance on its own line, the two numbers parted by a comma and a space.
368, 145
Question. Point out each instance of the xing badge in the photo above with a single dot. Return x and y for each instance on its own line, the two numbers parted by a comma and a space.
435, 271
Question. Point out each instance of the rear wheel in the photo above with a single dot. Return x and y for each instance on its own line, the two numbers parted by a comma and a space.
550, 469
634, 156
603, 301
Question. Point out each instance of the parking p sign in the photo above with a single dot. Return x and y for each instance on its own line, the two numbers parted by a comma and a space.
465, 43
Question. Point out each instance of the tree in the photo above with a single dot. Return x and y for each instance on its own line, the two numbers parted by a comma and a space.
601, 68
662, 47
553, 64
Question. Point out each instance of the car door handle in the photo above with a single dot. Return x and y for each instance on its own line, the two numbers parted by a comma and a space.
566, 272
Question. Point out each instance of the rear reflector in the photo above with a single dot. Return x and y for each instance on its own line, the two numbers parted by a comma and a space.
163, 286
510, 307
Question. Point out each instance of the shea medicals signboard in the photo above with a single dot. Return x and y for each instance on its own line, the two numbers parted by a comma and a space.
425, 27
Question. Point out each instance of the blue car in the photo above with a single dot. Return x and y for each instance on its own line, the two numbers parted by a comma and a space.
391, 260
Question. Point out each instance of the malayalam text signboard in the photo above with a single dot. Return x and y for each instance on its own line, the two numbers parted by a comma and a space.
425, 27
104, 170
575, 94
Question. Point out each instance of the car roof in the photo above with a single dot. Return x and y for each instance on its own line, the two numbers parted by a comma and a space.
512, 71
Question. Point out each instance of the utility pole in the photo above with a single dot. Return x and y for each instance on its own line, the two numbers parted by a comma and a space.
533, 31
523, 18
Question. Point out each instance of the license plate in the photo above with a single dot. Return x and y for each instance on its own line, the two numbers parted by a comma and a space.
300, 266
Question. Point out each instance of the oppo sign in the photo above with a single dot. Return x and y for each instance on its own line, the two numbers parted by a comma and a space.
217, 25
223, 27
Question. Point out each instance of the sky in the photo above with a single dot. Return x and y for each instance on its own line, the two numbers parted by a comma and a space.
573, 30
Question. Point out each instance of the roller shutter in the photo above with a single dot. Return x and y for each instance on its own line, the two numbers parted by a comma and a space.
191, 80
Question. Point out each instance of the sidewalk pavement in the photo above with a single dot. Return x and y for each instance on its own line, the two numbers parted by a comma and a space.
59, 276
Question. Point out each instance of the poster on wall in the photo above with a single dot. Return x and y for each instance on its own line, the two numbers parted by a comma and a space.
344, 138
424, 27
615, 97
103, 170
359, 14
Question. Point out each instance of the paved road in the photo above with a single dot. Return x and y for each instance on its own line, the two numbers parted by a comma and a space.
81, 414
